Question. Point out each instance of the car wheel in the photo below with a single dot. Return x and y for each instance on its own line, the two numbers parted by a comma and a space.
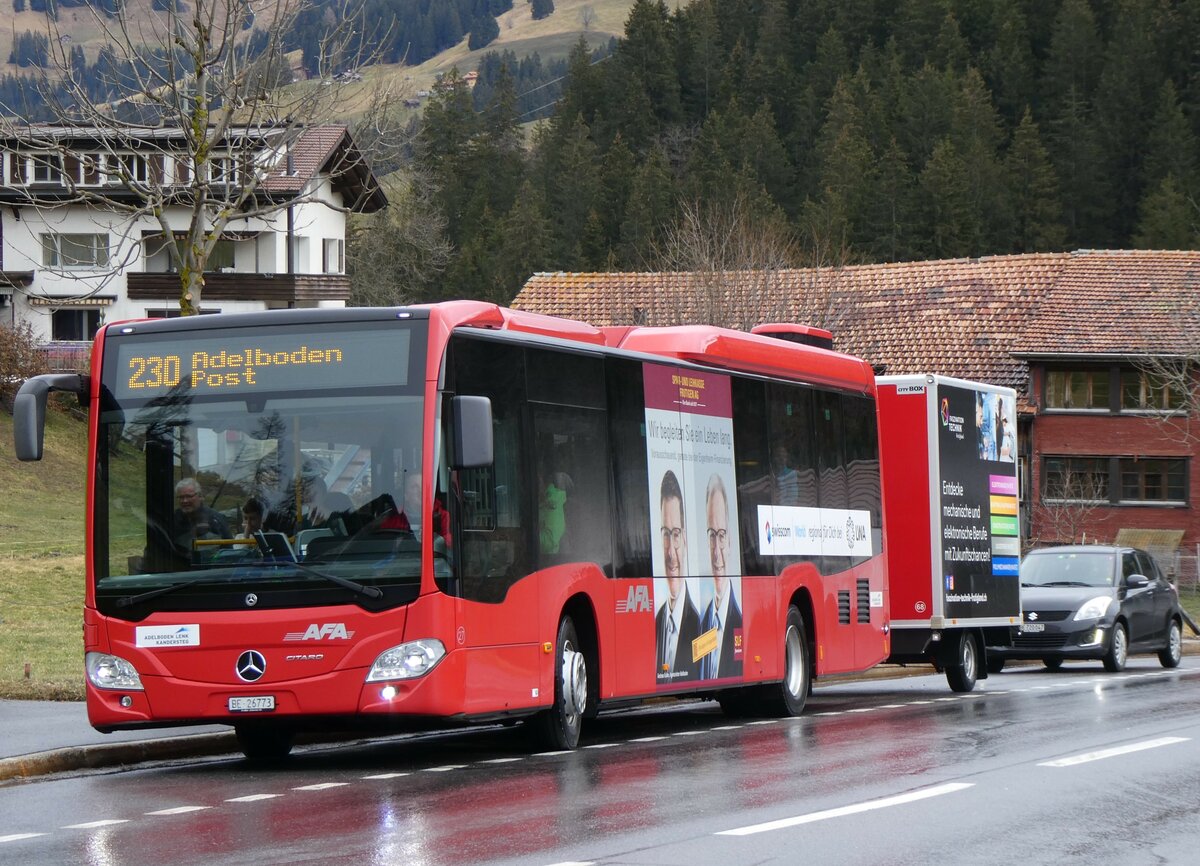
1052, 664
1172, 653
1118, 649
963, 668
995, 664
558, 727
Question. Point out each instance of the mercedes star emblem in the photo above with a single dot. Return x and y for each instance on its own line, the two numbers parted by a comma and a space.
251, 666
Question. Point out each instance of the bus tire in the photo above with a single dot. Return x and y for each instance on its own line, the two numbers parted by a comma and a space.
558, 728
264, 744
788, 697
962, 668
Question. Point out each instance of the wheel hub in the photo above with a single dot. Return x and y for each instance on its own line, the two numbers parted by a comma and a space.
574, 682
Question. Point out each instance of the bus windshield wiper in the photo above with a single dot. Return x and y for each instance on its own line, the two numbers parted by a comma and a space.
352, 585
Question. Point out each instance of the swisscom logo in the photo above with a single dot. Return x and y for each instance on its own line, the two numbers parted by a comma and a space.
768, 532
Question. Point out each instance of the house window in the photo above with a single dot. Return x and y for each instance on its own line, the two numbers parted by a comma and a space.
221, 258
300, 262
129, 167
223, 169
1077, 389
75, 250
74, 325
1145, 391
46, 168
1153, 479
1075, 479
332, 256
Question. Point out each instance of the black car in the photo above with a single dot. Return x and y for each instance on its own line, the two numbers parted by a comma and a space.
1093, 602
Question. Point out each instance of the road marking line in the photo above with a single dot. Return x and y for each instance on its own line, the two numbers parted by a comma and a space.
575, 863
17, 837
842, 811
252, 798
179, 810
499, 760
728, 727
765, 722
550, 754
689, 733
91, 825
646, 739
321, 786
601, 745
381, 776
445, 769
1114, 752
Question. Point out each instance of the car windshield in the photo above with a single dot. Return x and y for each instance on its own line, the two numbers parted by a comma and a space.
1068, 568
288, 485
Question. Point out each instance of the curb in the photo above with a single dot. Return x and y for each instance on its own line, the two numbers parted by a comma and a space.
115, 754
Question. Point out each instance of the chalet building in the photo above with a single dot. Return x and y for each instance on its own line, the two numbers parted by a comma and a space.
1108, 443
70, 257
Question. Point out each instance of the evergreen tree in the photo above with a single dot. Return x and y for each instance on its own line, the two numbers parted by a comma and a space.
1171, 146
1033, 192
645, 67
952, 219
484, 31
700, 59
651, 206
1009, 65
541, 9
1167, 219
523, 241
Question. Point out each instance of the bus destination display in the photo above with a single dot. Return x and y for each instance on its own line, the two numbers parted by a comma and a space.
209, 365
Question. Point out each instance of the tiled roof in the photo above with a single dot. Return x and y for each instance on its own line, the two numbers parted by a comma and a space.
328, 148
971, 318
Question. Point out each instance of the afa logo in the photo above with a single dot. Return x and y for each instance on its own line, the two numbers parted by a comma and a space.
329, 630
636, 601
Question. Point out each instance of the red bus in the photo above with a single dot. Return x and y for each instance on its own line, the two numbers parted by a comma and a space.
328, 518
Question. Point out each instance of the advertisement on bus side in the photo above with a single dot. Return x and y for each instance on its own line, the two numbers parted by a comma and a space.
694, 514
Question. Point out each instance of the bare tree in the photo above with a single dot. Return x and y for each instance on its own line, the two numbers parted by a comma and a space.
738, 268
1064, 510
201, 112
587, 17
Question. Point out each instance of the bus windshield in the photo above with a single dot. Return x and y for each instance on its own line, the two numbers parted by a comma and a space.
263, 467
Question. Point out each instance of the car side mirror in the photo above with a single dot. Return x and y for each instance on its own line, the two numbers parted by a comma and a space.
1137, 581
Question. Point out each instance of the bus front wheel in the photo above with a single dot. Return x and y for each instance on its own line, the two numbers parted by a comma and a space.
264, 744
558, 728
790, 696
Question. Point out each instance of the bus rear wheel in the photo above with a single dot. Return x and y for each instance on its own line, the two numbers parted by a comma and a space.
788, 698
264, 744
558, 728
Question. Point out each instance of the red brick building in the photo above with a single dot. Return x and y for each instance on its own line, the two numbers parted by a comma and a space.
1107, 441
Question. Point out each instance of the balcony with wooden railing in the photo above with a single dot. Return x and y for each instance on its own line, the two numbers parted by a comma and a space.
222, 286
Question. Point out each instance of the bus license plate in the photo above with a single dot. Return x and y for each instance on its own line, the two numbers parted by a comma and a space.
1033, 626
255, 704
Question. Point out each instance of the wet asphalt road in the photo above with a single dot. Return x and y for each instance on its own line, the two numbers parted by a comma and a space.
1075, 766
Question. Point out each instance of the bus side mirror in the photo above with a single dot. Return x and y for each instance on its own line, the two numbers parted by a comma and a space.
471, 432
29, 409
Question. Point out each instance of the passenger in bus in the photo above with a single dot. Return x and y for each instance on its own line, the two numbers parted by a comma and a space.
552, 516
785, 479
193, 519
323, 504
723, 613
672, 526
440, 518
252, 519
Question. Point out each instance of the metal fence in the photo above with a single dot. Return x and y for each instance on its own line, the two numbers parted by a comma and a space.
1184, 570
66, 356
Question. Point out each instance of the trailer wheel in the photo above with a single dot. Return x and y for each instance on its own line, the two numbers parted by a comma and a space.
963, 667
558, 728
264, 744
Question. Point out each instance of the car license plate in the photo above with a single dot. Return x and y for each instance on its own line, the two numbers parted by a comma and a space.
254, 704
1028, 627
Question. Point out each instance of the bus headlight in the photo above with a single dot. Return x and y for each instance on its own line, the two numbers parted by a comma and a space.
407, 661
106, 671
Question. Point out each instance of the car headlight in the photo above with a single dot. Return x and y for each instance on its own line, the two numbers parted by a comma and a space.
1094, 608
106, 671
407, 661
